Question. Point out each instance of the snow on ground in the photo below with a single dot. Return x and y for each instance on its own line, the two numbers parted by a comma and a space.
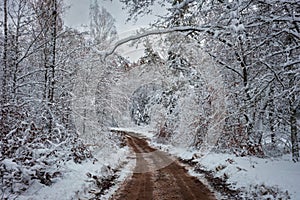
75, 183
242, 173
246, 172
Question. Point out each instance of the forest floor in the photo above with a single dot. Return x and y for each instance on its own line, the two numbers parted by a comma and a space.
159, 176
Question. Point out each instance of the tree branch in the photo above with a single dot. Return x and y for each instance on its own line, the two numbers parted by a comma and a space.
153, 32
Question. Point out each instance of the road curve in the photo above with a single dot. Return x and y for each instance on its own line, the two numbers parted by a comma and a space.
151, 181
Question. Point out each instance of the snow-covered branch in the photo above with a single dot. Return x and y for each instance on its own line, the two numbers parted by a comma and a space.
154, 32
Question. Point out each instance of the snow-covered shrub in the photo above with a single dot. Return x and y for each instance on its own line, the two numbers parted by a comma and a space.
29, 154
101, 183
258, 192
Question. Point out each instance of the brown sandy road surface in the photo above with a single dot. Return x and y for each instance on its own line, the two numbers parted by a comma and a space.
158, 177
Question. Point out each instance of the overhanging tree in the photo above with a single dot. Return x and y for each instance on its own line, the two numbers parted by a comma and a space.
255, 42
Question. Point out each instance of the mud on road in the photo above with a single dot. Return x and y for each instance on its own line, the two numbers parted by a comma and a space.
159, 177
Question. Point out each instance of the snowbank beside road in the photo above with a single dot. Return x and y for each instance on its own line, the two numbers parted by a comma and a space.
256, 175
80, 180
261, 177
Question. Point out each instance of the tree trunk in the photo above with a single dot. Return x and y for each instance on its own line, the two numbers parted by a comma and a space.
5, 63
271, 114
53, 29
247, 99
16, 57
4, 98
53, 50
293, 127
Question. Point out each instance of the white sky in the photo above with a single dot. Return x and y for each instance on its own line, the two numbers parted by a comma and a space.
78, 15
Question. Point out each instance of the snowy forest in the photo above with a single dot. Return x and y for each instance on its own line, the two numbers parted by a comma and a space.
218, 77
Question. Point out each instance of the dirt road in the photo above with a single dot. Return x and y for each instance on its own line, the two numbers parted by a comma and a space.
159, 177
